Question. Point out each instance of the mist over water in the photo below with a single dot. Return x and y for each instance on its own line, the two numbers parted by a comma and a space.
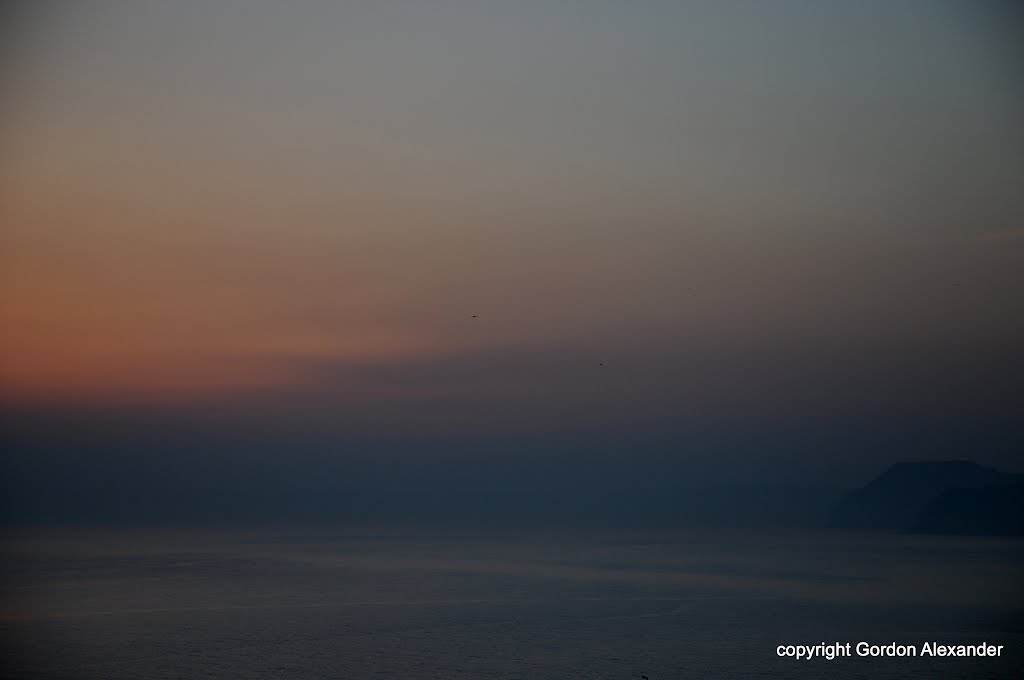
472, 272
388, 602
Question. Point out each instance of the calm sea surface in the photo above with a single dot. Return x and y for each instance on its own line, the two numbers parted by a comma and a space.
450, 604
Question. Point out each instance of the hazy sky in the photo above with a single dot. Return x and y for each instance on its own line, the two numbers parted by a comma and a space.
286, 215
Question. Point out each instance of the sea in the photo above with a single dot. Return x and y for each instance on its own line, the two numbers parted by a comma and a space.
445, 603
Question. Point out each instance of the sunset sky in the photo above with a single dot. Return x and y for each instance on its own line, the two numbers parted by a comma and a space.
439, 219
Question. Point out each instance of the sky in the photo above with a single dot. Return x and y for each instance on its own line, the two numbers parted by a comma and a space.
691, 228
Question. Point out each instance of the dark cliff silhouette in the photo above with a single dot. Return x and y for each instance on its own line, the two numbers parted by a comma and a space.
935, 497
996, 510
